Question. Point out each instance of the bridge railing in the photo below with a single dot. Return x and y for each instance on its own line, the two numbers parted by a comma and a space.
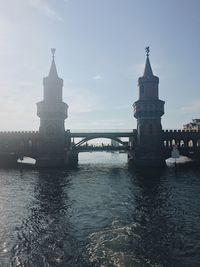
179, 131
100, 130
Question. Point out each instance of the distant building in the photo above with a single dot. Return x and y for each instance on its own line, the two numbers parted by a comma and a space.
192, 126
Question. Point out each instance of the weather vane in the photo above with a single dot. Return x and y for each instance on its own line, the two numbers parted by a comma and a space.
53, 51
147, 50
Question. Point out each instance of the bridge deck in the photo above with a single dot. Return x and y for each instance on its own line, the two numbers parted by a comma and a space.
105, 148
101, 134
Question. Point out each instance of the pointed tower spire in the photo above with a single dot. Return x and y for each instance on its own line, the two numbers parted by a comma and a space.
53, 70
147, 70
52, 83
148, 83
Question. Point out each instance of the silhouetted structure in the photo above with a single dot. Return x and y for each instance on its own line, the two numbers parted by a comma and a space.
52, 112
53, 146
148, 111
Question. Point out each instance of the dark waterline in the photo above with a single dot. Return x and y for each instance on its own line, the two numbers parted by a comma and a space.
100, 215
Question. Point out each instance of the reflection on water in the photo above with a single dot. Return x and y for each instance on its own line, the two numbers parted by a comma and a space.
155, 226
46, 236
100, 215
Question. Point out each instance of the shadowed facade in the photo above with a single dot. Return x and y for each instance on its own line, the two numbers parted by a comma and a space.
148, 110
52, 112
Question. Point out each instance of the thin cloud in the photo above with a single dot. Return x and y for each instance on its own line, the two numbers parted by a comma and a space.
80, 104
97, 77
193, 107
67, 1
22, 108
44, 7
6, 28
80, 100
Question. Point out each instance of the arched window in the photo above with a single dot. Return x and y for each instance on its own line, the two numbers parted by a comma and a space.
173, 142
182, 144
190, 143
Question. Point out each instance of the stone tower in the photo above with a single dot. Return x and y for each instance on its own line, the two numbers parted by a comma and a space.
52, 112
148, 110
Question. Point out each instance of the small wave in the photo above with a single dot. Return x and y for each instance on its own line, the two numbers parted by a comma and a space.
114, 247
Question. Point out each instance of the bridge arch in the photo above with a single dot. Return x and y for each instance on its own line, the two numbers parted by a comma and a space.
86, 139
181, 143
190, 143
165, 142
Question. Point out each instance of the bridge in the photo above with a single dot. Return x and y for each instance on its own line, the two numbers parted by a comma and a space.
187, 142
87, 136
53, 146
16, 145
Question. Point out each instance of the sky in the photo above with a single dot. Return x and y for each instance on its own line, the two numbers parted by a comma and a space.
100, 54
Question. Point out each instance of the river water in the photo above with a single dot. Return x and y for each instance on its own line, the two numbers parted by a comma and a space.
101, 214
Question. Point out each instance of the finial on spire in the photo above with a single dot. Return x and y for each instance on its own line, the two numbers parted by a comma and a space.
147, 50
53, 71
147, 70
53, 51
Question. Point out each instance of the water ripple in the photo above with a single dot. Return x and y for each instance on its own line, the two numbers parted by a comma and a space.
100, 215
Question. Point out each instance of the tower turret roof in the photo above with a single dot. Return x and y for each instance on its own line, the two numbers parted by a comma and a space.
52, 78
148, 75
148, 70
53, 70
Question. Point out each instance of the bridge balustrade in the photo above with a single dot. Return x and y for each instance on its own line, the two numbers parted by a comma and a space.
187, 141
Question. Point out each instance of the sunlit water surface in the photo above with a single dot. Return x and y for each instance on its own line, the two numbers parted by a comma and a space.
101, 214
